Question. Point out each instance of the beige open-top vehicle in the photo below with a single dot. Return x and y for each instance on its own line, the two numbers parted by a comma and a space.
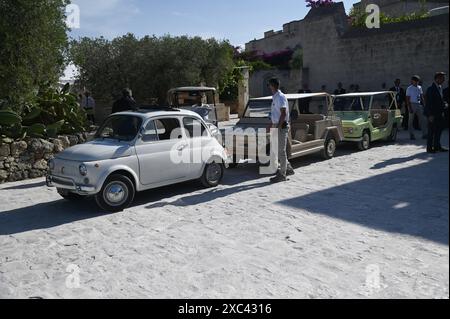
317, 132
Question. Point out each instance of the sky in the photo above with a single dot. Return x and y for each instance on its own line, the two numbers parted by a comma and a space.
236, 20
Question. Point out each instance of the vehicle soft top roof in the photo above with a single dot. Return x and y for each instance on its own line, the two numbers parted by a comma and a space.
294, 96
193, 89
356, 94
145, 114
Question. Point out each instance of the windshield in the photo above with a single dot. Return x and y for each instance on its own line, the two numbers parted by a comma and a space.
383, 102
314, 105
351, 104
192, 98
120, 127
202, 111
259, 108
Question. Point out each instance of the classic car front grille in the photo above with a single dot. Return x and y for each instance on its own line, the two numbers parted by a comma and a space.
62, 181
67, 170
348, 130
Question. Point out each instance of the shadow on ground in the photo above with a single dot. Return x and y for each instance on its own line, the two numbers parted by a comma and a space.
407, 201
411, 201
26, 186
209, 196
46, 215
61, 212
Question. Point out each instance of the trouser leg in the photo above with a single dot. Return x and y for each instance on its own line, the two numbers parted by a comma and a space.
437, 134
430, 140
411, 114
406, 119
282, 153
422, 120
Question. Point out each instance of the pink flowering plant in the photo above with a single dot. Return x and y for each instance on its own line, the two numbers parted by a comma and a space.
319, 3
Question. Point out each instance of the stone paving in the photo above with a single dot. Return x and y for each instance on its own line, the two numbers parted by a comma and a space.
363, 225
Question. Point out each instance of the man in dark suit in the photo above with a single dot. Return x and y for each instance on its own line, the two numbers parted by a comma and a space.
125, 103
401, 99
446, 110
303, 104
434, 111
340, 90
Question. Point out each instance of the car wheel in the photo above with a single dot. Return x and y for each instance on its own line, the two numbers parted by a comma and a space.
117, 194
212, 175
364, 144
394, 133
330, 149
67, 195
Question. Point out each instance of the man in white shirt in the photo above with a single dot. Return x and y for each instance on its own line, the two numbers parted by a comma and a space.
280, 118
414, 101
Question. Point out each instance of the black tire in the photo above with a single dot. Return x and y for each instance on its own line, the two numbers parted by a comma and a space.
364, 144
212, 175
67, 195
394, 133
330, 148
118, 186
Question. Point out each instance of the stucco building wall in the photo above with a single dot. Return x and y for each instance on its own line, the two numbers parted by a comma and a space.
335, 52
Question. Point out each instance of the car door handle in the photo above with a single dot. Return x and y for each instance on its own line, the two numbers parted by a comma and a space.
182, 147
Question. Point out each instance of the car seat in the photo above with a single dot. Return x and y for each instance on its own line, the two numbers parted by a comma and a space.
300, 133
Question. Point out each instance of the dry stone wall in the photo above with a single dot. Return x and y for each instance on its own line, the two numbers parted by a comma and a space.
23, 159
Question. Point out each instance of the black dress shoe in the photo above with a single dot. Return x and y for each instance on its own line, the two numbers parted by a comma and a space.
278, 179
431, 151
442, 150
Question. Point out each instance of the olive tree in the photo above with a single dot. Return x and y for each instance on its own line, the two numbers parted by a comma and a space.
150, 66
33, 41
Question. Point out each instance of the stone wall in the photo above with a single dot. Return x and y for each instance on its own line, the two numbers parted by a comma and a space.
23, 159
335, 52
259, 80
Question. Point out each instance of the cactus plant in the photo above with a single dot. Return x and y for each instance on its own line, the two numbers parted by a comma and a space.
54, 112
8, 118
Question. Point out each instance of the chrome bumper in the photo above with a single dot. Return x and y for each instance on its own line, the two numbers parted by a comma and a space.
69, 184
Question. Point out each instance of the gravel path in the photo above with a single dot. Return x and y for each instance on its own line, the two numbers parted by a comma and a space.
362, 225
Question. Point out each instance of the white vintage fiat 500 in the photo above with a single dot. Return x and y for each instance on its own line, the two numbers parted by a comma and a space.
137, 151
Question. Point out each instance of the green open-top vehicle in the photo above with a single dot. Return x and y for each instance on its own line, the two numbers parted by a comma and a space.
368, 117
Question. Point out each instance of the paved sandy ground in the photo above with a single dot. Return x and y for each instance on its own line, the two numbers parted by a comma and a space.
365, 224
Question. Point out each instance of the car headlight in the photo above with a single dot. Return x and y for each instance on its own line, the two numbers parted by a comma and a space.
51, 164
83, 170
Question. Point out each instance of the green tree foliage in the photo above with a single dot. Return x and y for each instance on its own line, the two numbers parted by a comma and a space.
33, 41
297, 60
150, 66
